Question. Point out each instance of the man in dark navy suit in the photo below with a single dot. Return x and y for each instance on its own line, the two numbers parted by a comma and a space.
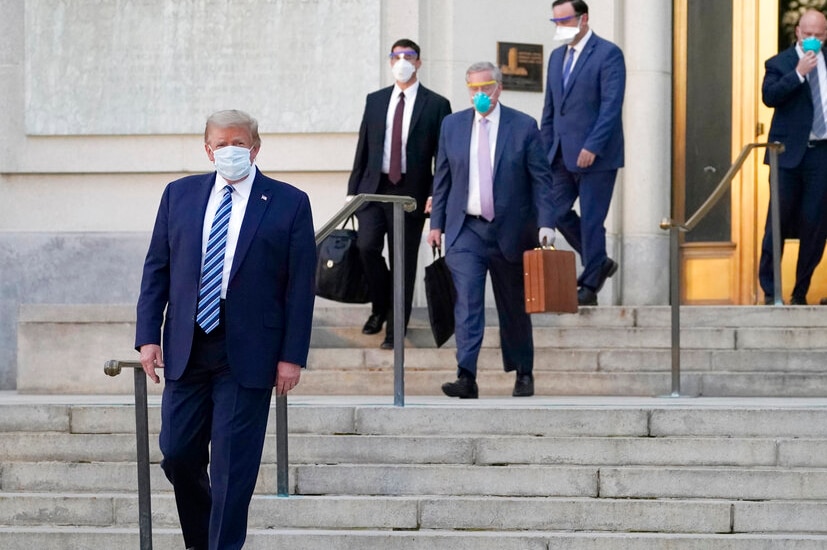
492, 200
583, 131
230, 276
395, 156
795, 85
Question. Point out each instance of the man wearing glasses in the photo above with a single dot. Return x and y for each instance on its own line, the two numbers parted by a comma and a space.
395, 155
583, 133
492, 199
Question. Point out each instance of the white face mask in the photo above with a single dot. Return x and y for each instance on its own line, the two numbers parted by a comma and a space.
403, 70
232, 162
566, 34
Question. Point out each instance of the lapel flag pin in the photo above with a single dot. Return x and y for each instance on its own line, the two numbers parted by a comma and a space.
264, 197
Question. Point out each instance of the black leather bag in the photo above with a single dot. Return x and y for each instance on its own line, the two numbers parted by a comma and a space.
441, 296
339, 273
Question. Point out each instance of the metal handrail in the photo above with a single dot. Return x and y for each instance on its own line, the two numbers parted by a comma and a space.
399, 202
113, 367
675, 227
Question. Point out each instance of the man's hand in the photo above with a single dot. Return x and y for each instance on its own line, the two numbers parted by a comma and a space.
806, 64
287, 377
428, 204
151, 357
585, 158
546, 236
434, 238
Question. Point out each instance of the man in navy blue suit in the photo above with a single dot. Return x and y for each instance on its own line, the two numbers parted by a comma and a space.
583, 133
795, 85
492, 192
395, 156
223, 351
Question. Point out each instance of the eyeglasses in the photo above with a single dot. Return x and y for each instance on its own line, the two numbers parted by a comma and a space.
558, 20
482, 86
407, 55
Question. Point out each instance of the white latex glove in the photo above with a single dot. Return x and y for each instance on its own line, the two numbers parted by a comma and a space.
548, 234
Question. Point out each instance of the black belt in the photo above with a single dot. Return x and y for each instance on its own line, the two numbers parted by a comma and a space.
816, 143
477, 217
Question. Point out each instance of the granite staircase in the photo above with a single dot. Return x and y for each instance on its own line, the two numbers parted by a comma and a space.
577, 473
596, 460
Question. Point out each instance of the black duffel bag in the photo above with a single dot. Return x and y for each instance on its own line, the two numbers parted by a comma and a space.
339, 273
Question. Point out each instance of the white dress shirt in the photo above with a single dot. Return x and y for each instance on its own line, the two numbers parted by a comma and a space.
410, 97
577, 50
493, 117
241, 194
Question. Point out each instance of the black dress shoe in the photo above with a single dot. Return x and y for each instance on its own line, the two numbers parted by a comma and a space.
798, 301
387, 343
523, 386
464, 388
769, 300
586, 296
373, 324
608, 269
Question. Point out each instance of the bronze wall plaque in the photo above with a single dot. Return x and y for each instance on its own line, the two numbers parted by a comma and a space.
522, 66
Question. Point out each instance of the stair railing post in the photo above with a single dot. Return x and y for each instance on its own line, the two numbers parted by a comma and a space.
113, 368
775, 220
282, 464
675, 298
398, 305
142, 441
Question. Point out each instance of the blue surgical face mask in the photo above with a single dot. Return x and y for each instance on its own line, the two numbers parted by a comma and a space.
232, 162
811, 44
481, 102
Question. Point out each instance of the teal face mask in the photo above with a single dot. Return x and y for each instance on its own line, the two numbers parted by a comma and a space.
482, 102
811, 44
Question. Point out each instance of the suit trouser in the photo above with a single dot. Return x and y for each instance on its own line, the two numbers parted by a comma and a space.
585, 233
208, 418
376, 221
803, 214
475, 252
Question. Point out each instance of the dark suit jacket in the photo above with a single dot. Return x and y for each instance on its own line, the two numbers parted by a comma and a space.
792, 120
269, 305
587, 114
423, 136
522, 181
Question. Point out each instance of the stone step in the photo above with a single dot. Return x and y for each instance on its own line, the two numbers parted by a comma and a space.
584, 360
427, 512
579, 417
756, 483
611, 316
589, 337
603, 338
485, 451
60, 538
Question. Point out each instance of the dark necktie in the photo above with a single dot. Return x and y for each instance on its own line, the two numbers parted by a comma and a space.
567, 66
209, 295
395, 170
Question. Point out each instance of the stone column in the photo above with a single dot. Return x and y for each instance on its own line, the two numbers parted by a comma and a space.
644, 196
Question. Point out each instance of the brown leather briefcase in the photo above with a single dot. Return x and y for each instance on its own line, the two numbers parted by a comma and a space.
550, 281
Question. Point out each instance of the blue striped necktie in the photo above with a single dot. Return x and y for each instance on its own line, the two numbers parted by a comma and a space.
819, 124
567, 66
209, 295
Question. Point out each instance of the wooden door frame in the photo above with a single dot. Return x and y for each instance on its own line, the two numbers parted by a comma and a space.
754, 39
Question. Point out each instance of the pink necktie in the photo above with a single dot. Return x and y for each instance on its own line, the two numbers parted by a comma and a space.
486, 178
